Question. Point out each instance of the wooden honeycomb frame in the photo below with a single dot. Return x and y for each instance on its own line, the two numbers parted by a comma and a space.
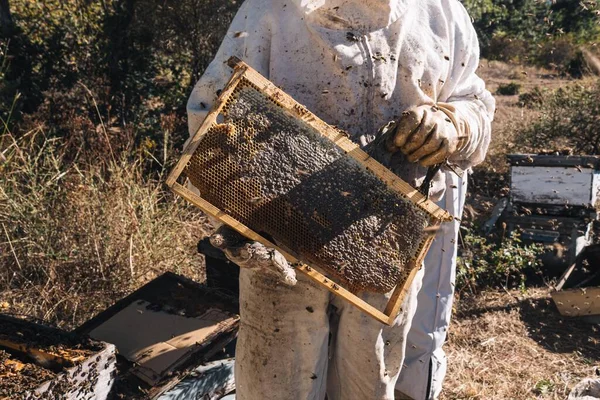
244, 72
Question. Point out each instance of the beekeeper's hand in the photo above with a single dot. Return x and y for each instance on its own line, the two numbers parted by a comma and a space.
428, 134
253, 255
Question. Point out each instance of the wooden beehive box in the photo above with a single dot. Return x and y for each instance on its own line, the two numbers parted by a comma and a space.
170, 335
39, 362
553, 201
555, 180
269, 168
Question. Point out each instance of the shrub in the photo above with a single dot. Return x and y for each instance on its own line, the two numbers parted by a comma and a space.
532, 99
510, 89
570, 117
514, 30
484, 263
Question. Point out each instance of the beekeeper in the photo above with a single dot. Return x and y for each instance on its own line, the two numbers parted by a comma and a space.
357, 64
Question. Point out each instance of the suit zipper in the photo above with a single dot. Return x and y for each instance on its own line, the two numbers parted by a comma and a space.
370, 86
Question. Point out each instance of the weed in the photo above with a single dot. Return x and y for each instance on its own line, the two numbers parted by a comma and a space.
509, 89
569, 118
544, 387
74, 238
485, 263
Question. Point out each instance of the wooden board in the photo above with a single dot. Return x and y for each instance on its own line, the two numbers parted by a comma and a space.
554, 185
578, 302
287, 103
92, 379
550, 160
83, 374
186, 299
160, 341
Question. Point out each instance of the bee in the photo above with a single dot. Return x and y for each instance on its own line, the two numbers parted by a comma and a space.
431, 230
352, 37
255, 200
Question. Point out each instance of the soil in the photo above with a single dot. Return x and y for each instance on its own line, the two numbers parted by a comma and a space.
515, 345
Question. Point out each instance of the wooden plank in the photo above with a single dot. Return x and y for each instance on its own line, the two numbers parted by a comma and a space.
43, 357
565, 276
93, 378
552, 185
578, 302
308, 270
394, 305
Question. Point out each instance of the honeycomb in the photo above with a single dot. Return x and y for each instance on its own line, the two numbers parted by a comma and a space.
281, 178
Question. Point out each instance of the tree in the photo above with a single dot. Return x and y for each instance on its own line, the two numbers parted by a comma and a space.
6, 23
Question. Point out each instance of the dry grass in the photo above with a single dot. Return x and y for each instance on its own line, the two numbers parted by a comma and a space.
74, 237
516, 346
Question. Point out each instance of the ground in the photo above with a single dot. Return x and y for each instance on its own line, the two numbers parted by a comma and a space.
514, 345
511, 344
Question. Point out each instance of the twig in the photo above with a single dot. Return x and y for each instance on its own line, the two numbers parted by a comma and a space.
99, 259
131, 256
12, 248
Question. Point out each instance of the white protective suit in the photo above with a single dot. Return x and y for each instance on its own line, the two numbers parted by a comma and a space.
425, 363
357, 64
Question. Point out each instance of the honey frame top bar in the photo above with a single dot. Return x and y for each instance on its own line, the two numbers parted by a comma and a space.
244, 72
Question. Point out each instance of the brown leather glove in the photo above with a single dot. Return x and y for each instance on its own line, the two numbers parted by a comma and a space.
253, 255
429, 134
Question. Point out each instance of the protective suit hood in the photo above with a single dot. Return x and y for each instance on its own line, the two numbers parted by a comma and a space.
359, 15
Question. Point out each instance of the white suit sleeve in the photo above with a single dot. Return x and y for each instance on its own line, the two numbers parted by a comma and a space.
248, 38
474, 106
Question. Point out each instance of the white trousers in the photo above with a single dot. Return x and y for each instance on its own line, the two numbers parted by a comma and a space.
302, 343
425, 364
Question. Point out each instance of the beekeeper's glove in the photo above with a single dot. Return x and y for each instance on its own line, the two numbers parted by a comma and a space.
429, 134
253, 255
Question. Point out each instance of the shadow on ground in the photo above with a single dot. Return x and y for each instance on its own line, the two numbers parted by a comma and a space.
547, 327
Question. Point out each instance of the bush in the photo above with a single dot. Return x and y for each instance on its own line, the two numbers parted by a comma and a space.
484, 263
532, 99
138, 58
510, 89
569, 118
527, 30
